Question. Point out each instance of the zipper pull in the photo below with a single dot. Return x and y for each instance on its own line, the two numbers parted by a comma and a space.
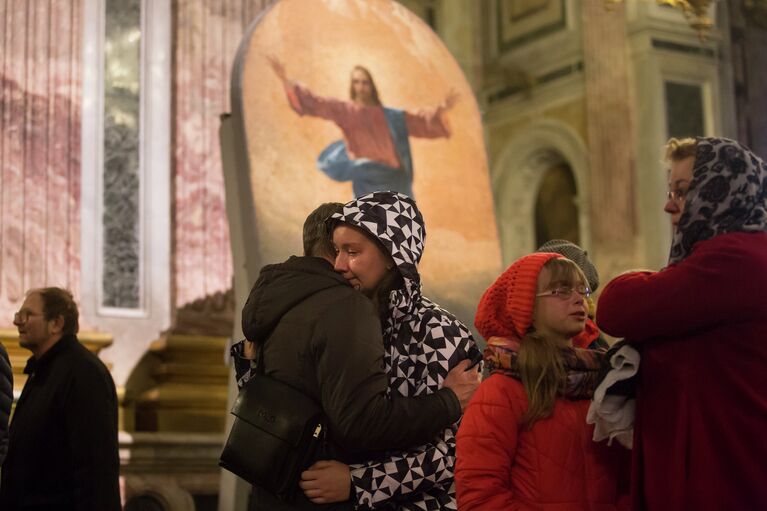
317, 431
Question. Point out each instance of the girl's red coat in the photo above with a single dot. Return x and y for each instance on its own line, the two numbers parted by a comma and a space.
554, 466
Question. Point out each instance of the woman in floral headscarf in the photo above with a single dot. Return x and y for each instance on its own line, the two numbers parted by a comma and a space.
701, 326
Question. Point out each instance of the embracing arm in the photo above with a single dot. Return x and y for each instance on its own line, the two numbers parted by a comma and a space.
243, 352
400, 475
354, 385
714, 285
243, 361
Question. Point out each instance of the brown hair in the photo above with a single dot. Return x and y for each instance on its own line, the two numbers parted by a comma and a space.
59, 302
391, 281
541, 367
679, 149
376, 98
317, 242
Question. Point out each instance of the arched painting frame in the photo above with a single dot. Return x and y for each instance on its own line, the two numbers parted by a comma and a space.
273, 181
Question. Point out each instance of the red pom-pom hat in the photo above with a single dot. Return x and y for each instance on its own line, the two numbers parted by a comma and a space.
506, 308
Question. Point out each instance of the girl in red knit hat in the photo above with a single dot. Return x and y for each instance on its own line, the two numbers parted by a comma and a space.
524, 442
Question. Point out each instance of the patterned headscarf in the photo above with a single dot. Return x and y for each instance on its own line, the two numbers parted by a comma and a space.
728, 193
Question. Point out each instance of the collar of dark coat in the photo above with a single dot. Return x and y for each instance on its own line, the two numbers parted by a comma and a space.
308, 264
61, 345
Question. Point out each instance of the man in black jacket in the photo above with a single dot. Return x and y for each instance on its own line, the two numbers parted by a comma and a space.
324, 338
6, 400
62, 453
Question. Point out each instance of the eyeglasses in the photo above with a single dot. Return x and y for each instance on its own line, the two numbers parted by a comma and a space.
676, 195
24, 315
565, 292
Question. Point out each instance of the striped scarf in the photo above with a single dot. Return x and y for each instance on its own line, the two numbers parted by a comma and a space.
582, 366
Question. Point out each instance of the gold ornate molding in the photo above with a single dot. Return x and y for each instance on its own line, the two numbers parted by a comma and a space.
696, 12
189, 393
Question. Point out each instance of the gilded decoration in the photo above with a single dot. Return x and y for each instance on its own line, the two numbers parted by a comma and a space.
696, 12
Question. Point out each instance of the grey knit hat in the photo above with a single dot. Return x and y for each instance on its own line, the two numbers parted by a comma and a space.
577, 255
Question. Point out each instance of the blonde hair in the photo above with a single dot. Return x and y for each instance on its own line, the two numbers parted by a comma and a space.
541, 367
679, 149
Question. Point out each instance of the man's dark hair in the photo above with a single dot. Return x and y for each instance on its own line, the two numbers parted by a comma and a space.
59, 302
316, 234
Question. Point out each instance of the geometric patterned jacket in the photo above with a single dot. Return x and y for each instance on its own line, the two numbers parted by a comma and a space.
422, 342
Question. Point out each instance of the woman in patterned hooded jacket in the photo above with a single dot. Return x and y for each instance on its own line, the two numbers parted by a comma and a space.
379, 240
701, 327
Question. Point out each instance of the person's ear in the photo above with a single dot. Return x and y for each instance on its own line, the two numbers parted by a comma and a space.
56, 324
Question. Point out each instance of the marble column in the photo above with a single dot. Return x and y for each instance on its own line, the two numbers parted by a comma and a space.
611, 135
41, 47
748, 25
206, 36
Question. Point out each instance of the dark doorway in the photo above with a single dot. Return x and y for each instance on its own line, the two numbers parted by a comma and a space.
556, 209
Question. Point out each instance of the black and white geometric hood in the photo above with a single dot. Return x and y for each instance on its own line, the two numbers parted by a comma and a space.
393, 219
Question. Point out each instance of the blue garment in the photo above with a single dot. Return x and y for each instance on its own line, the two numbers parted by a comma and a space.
368, 175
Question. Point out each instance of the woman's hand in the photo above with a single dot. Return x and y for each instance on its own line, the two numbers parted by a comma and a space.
249, 350
463, 382
326, 482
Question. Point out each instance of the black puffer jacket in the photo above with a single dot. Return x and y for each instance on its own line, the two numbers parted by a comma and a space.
324, 338
6, 400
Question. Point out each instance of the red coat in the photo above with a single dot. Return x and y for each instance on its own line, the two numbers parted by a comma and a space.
553, 466
700, 439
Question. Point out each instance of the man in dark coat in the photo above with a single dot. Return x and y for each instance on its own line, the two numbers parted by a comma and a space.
6, 400
323, 337
62, 453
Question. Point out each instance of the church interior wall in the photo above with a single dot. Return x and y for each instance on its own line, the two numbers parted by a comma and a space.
502, 129
665, 51
533, 89
203, 32
39, 149
748, 37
